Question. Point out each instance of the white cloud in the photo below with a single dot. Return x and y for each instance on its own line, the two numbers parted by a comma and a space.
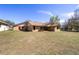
71, 13
62, 21
46, 12
77, 6
68, 15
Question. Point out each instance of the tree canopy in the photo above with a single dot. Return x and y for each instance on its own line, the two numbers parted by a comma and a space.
7, 21
54, 20
73, 22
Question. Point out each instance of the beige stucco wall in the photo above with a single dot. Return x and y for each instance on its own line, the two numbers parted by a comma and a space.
16, 28
36, 29
30, 28
56, 30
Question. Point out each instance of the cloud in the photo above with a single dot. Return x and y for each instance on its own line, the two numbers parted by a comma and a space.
77, 6
68, 15
62, 20
46, 12
71, 13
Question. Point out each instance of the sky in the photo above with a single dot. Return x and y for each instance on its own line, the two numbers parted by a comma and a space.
36, 12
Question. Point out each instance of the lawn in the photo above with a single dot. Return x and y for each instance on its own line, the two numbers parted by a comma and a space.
39, 43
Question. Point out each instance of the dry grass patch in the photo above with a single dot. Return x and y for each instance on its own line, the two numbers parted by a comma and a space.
14, 42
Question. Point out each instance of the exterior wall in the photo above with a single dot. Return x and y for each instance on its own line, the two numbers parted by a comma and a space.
56, 30
4, 27
37, 28
16, 28
30, 28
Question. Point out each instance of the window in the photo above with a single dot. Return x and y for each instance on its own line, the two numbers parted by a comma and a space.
34, 27
0, 25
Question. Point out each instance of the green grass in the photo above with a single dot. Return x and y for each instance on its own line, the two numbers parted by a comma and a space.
39, 43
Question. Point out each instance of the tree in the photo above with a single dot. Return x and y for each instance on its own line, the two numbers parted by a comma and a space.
73, 23
54, 20
65, 26
10, 22
76, 13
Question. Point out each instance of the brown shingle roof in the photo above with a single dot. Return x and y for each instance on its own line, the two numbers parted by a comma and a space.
41, 24
52, 25
37, 23
18, 24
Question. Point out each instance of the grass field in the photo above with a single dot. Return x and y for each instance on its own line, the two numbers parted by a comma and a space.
39, 43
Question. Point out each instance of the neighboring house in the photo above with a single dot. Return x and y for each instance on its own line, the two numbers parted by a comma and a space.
19, 27
35, 26
4, 26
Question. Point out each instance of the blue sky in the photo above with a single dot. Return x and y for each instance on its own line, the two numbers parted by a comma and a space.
36, 12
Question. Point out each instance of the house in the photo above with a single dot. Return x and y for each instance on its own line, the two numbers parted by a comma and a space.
19, 27
4, 26
35, 26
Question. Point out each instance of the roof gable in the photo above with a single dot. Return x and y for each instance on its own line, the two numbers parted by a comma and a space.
4, 23
35, 24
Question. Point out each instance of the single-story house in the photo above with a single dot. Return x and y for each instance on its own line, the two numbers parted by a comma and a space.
35, 26
19, 27
4, 26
